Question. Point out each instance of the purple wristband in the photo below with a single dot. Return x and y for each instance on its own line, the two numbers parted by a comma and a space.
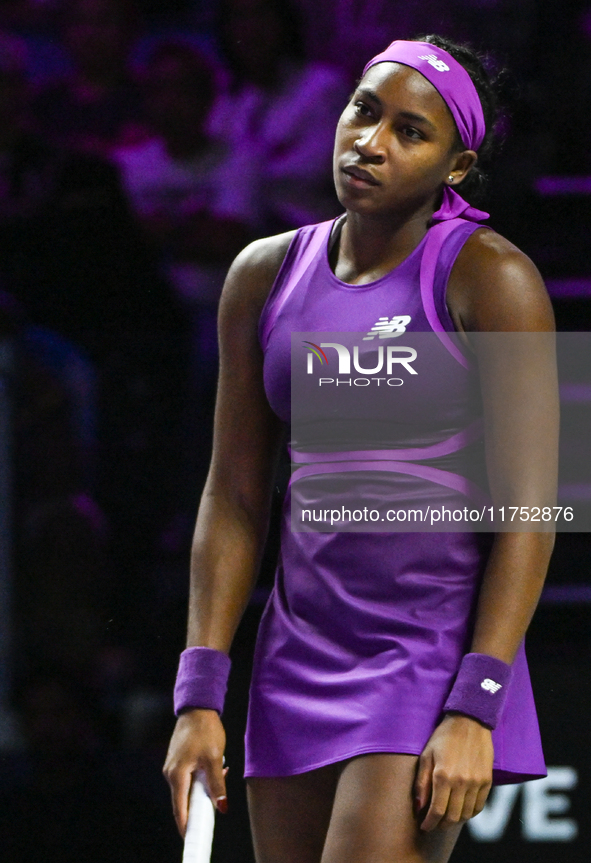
480, 688
202, 679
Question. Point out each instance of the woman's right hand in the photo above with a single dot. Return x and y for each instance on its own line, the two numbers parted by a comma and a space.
197, 744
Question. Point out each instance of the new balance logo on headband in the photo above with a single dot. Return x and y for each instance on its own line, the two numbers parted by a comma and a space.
490, 686
388, 328
435, 62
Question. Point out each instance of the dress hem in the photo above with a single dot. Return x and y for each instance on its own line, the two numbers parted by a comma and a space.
501, 775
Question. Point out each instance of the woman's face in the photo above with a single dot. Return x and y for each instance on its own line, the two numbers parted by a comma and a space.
396, 144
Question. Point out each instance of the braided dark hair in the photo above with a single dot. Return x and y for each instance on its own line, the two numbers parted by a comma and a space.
488, 86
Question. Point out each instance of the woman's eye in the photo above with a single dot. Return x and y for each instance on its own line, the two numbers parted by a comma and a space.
411, 132
362, 109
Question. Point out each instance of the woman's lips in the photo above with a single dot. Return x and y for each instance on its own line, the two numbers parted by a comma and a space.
359, 176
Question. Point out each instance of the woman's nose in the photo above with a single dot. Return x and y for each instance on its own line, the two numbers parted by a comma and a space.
371, 145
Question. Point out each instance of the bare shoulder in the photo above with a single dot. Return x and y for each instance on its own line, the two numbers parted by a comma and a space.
251, 276
495, 287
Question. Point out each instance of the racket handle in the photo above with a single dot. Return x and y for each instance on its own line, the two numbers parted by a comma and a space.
199, 835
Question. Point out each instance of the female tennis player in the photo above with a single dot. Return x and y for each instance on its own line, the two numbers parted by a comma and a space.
390, 687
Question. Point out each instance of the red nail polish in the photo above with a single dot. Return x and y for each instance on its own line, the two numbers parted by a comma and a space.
222, 805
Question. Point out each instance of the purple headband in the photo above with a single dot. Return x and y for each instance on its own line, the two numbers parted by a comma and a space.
449, 78
455, 86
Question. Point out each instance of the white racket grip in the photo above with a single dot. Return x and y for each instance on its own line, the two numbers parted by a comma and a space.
199, 835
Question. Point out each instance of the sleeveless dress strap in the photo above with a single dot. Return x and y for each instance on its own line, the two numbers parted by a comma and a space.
436, 238
319, 236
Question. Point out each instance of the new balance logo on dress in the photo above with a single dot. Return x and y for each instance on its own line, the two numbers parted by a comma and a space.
490, 685
388, 328
434, 61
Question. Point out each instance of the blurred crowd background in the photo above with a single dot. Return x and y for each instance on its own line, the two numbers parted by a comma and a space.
142, 145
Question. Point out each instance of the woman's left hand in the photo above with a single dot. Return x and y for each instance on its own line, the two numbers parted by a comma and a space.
454, 773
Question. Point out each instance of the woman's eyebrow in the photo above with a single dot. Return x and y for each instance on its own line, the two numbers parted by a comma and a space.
369, 94
416, 118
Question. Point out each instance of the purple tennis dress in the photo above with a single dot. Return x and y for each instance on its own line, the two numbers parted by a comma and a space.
363, 633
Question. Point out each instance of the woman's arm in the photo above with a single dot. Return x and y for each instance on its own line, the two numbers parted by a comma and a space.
234, 512
496, 294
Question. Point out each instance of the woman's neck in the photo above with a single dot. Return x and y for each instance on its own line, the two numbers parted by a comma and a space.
371, 247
